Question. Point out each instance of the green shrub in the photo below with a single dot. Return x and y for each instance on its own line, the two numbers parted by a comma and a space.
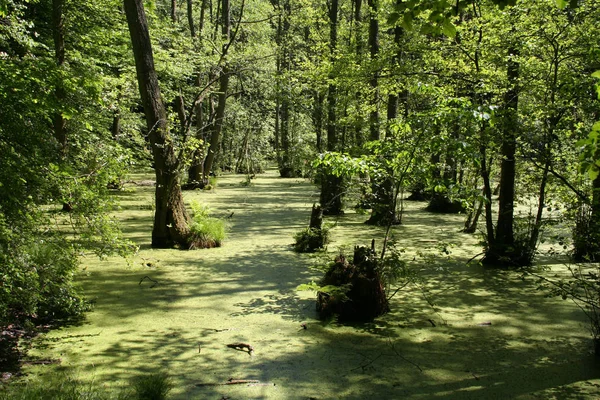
206, 231
37, 279
310, 240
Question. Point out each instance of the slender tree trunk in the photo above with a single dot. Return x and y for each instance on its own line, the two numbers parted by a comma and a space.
223, 88
218, 124
58, 25
202, 16
374, 133
318, 98
174, 10
594, 249
170, 217
487, 188
195, 169
359, 138
190, 16
331, 185
502, 252
287, 169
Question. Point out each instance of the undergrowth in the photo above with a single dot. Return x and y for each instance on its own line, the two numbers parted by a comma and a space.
62, 386
310, 240
206, 231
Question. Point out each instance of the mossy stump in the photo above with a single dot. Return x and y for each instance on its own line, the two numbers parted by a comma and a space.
365, 297
315, 237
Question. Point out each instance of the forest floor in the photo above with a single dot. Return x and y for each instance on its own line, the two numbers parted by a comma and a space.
495, 335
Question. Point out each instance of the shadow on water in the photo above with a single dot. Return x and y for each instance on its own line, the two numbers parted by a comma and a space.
463, 332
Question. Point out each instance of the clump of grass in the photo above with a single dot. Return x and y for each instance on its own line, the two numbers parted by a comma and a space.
154, 386
61, 386
206, 231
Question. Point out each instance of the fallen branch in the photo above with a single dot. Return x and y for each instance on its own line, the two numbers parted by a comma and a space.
364, 366
154, 283
41, 362
231, 381
242, 347
401, 356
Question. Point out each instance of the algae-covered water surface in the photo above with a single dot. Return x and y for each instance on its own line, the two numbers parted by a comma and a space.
464, 332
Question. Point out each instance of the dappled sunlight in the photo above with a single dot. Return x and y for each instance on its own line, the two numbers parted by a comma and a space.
462, 332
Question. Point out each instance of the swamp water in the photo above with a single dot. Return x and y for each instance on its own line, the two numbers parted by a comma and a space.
465, 332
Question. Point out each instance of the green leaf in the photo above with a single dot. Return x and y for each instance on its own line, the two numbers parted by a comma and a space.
407, 21
393, 18
593, 172
449, 29
596, 74
561, 3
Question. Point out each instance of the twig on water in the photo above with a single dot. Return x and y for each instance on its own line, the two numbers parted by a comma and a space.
401, 356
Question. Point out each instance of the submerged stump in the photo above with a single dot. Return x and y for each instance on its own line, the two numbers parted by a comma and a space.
362, 295
315, 237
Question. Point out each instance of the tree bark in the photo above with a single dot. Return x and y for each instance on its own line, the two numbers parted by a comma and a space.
218, 124
374, 133
202, 16
58, 25
318, 99
170, 217
190, 16
502, 250
331, 185
174, 10
223, 88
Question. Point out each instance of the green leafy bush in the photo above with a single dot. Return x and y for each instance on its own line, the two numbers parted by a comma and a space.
310, 240
37, 279
206, 231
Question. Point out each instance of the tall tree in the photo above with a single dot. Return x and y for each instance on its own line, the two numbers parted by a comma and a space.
170, 217
223, 88
332, 185
190, 16
501, 247
58, 28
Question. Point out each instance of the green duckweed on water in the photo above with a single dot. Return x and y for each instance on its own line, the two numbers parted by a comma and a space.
464, 332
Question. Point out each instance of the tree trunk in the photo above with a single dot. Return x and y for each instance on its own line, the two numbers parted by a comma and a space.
174, 10
502, 251
287, 169
374, 133
58, 25
202, 16
170, 217
331, 185
190, 16
318, 99
218, 124
359, 48
223, 88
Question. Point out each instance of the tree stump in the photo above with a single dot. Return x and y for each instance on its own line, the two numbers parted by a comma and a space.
316, 217
314, 237
365, 298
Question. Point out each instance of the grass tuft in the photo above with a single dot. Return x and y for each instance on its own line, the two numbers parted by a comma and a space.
154, 386
206, 231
